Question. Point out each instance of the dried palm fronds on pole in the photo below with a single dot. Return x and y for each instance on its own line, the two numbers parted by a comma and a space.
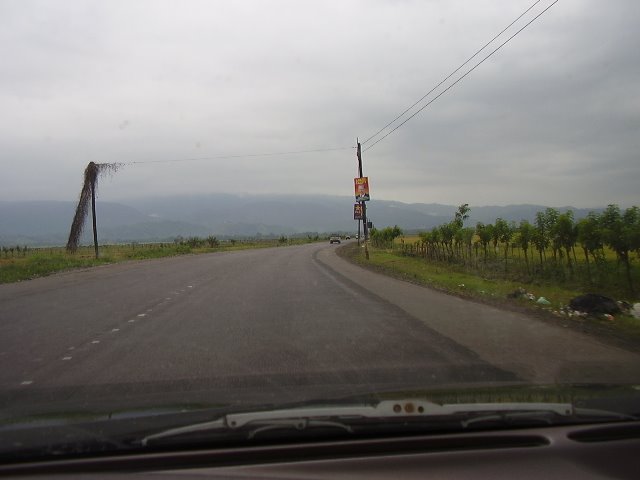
91, 175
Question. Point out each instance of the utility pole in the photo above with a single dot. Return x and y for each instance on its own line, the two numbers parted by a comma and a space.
363, 204
93, 214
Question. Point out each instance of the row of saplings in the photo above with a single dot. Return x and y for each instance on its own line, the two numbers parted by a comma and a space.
552, 238
554, 231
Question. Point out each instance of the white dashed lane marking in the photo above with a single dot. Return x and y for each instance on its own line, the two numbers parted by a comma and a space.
26, 382
114, 330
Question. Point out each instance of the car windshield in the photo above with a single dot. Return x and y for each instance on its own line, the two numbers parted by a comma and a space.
226, 219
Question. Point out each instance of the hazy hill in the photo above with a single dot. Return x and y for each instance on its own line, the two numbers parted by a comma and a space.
224, 215
300, 212
48, 223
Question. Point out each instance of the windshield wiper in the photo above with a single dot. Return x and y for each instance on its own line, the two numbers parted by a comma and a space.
545, 415
343, 417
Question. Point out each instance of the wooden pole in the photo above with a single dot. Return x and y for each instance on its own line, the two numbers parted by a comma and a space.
93, 215
363, 204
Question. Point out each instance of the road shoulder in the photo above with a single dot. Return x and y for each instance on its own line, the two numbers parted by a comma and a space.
534, 349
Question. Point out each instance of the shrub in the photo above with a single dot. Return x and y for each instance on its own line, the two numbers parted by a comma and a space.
213, 241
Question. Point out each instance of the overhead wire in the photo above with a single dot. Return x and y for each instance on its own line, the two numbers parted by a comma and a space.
320, 150
247, 155
461, 77
452, 73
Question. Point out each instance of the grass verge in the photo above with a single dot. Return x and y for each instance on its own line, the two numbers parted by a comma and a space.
39, 265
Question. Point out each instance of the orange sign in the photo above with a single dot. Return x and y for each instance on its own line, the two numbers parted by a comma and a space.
362, 189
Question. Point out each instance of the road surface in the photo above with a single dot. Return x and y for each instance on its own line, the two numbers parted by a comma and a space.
278, 324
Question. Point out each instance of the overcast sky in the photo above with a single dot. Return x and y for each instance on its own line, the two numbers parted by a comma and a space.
552, 118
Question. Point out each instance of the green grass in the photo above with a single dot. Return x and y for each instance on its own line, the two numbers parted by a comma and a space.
453, 279
450, 279
41, 264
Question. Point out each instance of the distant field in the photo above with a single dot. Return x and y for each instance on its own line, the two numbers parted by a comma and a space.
20, 263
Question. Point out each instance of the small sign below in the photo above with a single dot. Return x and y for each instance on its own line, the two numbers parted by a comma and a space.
357, 212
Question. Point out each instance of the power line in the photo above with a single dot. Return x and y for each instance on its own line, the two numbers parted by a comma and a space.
459, 79
247, 155
452, 73
320, 150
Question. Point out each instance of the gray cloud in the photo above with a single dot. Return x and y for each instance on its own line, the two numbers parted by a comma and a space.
552, 118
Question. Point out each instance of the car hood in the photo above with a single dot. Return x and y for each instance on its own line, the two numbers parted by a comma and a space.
80, 429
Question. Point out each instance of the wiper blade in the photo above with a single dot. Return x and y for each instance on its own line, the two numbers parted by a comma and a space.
342, 416
547, 416
295, 423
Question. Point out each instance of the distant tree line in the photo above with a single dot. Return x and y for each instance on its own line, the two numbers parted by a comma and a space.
14, 251
551, 246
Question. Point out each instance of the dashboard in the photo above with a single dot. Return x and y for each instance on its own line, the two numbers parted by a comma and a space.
580, 452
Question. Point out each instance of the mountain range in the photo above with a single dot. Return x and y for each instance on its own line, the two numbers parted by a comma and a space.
38, 223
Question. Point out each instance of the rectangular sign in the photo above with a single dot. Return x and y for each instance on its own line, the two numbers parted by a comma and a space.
357, 212
362, 189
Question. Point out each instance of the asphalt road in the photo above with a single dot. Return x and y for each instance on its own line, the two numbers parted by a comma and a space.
275, 324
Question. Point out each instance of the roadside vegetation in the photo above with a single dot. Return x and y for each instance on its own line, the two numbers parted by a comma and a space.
23, 263
540, 265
